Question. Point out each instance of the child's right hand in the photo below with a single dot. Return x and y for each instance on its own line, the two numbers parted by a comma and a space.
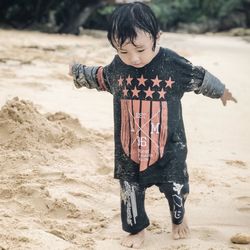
75, 69
70, 68
71, 64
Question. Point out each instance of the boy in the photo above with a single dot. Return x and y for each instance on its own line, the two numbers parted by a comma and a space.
147, 83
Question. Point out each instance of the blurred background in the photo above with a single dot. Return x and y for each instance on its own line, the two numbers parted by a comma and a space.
57, 190
71, 16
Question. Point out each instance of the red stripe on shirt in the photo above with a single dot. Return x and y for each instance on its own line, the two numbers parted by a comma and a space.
100, 79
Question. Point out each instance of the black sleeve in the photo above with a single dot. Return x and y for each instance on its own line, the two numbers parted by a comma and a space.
199, 80
211, 86
90, 77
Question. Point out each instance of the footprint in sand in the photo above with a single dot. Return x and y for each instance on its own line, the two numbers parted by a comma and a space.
205, 234
237, 163
5, 194
244, 203
61, 208
35, 85
104, 170
155, 227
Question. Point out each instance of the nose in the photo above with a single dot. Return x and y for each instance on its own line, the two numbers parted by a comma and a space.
135, 59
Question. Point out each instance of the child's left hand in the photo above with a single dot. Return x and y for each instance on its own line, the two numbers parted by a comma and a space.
227, 96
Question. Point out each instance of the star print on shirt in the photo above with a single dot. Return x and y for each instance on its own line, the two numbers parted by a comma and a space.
120, 81
156, 81
162, 94
135, 92
149, 93
142, 80
125, 92
129, 80
169, 82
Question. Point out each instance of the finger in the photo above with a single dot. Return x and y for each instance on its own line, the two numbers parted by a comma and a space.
223, 101
234, 100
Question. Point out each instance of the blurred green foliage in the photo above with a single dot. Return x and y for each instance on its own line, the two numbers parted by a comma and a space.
58, 14
170, 13
215, 15
107, 10
24, 13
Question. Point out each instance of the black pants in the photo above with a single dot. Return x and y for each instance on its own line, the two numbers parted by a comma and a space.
133, 214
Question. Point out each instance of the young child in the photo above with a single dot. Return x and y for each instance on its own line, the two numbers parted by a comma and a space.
147, 83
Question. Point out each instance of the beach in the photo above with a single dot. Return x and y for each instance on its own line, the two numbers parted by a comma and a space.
57, 190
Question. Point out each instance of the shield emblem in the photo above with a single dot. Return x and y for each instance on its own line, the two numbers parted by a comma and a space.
144, 130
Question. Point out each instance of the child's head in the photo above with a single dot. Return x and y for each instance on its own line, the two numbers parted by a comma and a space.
133, 32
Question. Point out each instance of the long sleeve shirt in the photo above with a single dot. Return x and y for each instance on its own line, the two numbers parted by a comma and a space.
150, 141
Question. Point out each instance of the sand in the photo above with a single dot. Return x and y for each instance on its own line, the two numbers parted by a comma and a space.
57, 190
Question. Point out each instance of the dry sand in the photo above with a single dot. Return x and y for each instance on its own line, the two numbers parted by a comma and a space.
57, 190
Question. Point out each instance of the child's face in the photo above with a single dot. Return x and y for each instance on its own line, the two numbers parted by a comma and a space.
140, 53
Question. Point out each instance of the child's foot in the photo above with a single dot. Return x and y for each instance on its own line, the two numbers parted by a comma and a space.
180, 231
134, 240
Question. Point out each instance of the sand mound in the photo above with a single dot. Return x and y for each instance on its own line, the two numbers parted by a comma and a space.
26, 134
22, 126
46, 161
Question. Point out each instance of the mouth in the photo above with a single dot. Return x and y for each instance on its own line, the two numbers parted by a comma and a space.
138, 65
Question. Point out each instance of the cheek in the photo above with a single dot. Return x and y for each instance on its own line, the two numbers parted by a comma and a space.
124, 58
144, 57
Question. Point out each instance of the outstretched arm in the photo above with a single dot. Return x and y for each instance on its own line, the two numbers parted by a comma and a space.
89, 77
201, 81
212, 87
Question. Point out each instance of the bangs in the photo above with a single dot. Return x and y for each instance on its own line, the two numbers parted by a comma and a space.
127, 20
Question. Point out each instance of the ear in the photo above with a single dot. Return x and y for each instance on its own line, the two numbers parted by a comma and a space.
158, 36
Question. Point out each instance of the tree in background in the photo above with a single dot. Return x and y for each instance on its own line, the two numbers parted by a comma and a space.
55, 15
215, 14
66, 16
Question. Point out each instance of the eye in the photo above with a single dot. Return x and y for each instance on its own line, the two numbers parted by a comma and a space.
123, 52
141, 50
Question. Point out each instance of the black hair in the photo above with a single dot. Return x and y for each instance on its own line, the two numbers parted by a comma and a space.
127, 18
